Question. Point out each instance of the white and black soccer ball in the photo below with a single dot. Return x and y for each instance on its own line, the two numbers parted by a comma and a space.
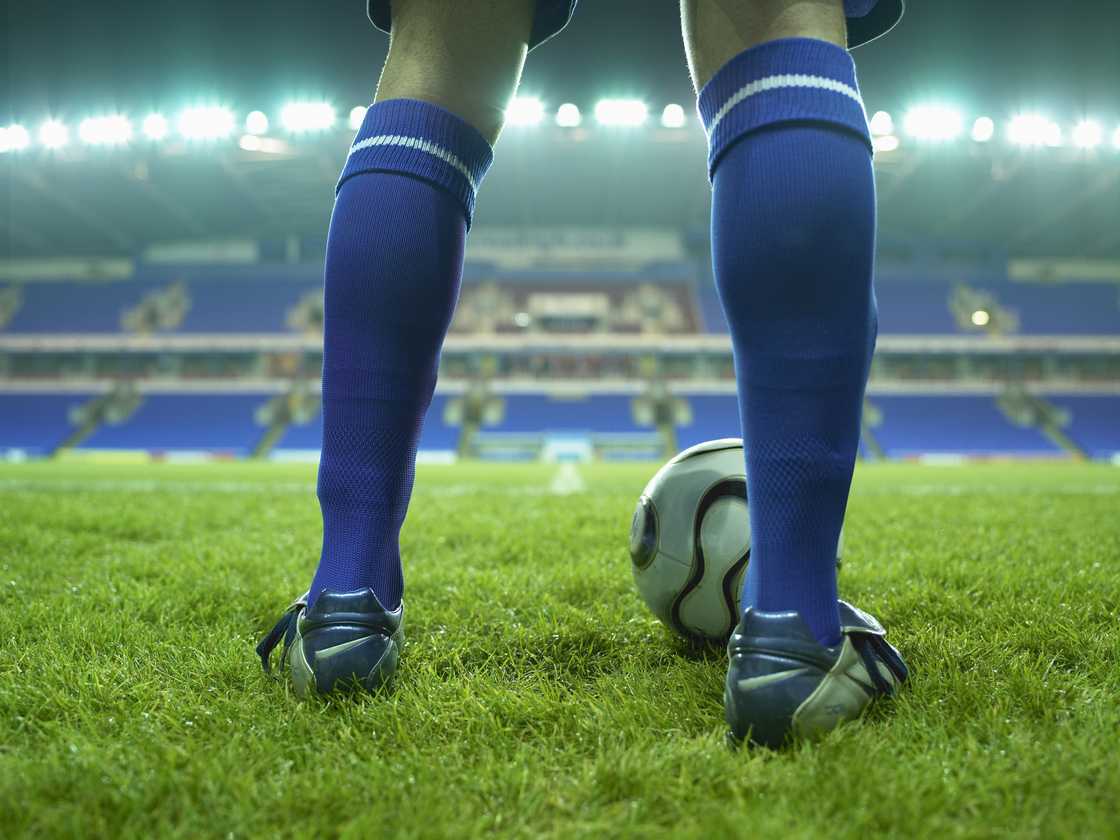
690, 541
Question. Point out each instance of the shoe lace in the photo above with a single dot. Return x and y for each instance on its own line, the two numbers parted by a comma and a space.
285, 629
873, 650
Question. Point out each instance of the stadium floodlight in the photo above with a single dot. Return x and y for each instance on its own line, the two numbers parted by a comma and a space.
885, 143
155, 126
1088, 134
357, 116
568, 116
14, 138
256, 123
882, 124
18, 137
304, 117
53, 134
983, 129
981, 317
1034, 130
621, 112
524, 111
936, 123
110, 130
266, 145
673, 116
205, 122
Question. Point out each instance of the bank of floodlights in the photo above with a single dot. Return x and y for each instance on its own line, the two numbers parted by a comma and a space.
933, 123
1032, 129
256, 123
525, 111
568, 116
357, 116
881, 124
627, 113
155, 127
1087, 134
307, 117
205, 122
53, 134
14, 138
108, 130
673, 116
983, 129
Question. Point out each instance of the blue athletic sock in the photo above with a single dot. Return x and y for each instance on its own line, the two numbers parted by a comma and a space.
793, 241
393, 266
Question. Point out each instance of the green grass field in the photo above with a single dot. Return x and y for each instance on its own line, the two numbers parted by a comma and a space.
537, 697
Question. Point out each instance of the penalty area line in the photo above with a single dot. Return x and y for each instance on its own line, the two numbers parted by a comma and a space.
567, 481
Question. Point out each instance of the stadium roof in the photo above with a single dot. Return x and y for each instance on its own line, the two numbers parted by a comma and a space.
1001, 148
979, 198
137, 53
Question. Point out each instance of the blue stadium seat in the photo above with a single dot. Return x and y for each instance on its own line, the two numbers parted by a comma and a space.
71, 307
1065, 309
1094, 422
257, 299
252, 302
240, 306
437, 435
603, 413
713, 416
218, 423
909, 308
36, 423
960, 424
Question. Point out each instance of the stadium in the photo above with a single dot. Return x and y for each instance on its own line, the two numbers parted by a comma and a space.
161, 354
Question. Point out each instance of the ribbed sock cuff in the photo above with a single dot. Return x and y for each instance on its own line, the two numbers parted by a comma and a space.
416, 138
787, 80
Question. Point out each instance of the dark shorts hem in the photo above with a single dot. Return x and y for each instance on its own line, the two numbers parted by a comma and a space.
550, 17
878, 21
553, 15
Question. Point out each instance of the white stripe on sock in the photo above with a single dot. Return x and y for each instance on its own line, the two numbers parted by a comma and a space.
422, 145
786, 80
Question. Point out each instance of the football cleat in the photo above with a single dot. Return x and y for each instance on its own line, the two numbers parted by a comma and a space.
784, 685
345, 639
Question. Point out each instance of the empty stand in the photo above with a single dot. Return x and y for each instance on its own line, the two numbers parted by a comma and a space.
218, 423
1094, 422
259, 299
71, 307
713, 416
244, 307
963, 424
598, 413
437, 435
36, 423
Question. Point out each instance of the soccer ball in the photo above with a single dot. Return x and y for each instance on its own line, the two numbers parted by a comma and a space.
690, 541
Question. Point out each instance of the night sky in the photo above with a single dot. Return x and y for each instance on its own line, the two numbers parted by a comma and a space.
68, 59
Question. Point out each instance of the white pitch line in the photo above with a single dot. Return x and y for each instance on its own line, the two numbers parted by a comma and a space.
138, 485
287, 487
988, 490
567, 481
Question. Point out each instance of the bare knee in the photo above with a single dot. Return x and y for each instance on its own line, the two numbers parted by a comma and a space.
715, 31
463, 55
